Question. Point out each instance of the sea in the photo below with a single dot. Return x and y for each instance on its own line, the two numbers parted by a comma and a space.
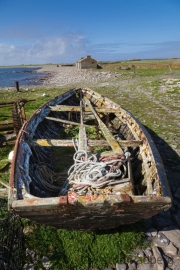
24, 75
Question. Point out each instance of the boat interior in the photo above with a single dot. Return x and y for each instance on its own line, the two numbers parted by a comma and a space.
85, 143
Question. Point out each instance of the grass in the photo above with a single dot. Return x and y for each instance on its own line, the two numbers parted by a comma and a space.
81, 250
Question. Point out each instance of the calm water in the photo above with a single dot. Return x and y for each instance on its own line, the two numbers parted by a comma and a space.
25, 76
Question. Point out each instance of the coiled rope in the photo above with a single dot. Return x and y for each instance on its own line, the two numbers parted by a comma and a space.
87, 171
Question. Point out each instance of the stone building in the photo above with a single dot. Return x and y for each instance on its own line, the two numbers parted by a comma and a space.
87, 62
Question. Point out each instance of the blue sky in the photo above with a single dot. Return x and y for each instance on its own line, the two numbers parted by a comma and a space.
62, 31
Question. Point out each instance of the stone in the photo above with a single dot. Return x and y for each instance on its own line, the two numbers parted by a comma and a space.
140, 253
173, 234
132, 266
153, 231
121, 266
46, 262
144, 266
176, 262
109, 268
160, 240
158, 257
148, 252
168, 260
170, 249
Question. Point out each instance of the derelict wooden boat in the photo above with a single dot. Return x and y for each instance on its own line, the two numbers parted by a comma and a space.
83, 162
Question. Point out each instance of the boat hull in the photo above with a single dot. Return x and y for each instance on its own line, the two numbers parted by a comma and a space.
89, 211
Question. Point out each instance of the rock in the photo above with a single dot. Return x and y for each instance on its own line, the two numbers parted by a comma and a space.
176, 263
160, 240
109, 268
170, 249
46, 262
168, 260
148, 252
139, 253
132, 266
174, 146
173, 234
121, 266
152, 231
29, 266
144, 266
158, 257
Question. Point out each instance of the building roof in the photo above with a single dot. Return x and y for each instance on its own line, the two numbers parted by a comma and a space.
84, 59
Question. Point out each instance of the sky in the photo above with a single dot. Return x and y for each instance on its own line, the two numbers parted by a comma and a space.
63, 31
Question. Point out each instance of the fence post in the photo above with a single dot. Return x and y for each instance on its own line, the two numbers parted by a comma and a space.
17, 86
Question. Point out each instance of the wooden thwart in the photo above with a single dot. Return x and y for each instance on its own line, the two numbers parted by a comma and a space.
66, 108
65, 121
49, 142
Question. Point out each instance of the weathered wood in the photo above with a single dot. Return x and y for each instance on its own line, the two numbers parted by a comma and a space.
3, 192
7, 103
106, 132
6, 125
66, 108
48, 142
4, 183
65, 121
130, 143
7, 143
82, 145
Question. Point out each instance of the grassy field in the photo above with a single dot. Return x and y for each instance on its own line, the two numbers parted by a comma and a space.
151, 94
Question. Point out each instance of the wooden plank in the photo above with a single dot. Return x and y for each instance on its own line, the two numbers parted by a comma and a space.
48, 142
106, 132
51, 142
65, 121
130, 143
3, 192
66, 108
82, 145
4, 183
6, 125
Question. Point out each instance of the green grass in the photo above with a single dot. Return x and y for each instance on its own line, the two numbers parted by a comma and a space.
81, 250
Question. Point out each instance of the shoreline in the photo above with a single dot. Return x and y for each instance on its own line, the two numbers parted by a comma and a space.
60, 76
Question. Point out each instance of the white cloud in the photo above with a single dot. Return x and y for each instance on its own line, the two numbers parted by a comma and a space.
65, 48
70, 47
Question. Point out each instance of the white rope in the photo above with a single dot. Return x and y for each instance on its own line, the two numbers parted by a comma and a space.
87, 171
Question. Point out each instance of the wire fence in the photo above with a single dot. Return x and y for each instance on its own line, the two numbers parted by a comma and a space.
11, 239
